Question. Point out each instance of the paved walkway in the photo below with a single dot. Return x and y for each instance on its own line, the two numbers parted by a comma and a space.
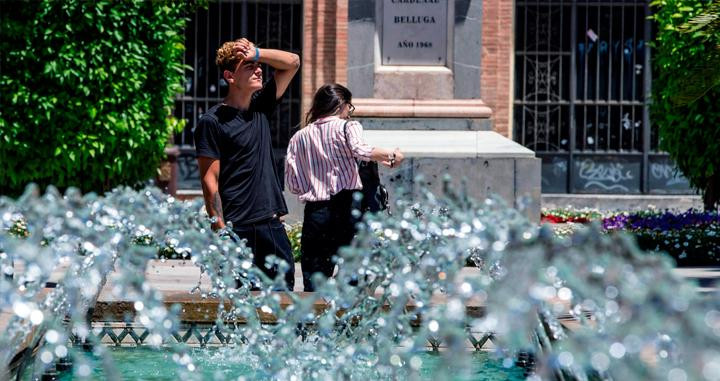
178, 275
708, 278
175, 278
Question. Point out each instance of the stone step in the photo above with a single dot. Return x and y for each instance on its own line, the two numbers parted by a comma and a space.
624, 202
175, 278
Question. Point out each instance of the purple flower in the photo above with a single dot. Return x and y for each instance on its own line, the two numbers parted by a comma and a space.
662, 221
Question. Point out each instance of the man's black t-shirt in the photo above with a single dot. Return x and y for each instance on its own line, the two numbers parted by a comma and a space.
249, 182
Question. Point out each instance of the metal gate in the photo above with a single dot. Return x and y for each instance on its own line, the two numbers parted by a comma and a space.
269, 24
582, 87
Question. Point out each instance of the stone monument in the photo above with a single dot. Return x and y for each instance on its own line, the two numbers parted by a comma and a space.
414, 70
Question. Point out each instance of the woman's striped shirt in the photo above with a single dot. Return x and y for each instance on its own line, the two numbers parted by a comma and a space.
320, 160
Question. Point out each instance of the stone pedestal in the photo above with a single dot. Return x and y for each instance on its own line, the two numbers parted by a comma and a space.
487, 162
414, 70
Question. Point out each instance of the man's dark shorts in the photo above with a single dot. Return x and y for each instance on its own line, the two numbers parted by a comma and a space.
267, 238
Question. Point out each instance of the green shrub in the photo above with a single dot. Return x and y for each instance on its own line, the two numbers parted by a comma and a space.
294, 232
87, 88
686, 95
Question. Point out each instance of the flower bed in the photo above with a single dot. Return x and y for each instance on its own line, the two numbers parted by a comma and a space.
168, 250
692, 238
559, 216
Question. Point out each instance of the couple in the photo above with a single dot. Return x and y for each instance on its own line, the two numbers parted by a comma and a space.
239, 178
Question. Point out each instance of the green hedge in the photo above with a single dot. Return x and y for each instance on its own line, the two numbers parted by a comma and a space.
87, 88
686, 95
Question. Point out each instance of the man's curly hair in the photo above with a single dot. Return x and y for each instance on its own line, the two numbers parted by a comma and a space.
226, 59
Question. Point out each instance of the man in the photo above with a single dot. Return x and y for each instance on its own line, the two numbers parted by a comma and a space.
239, 178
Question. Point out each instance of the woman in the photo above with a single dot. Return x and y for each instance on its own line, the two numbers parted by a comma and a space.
321, 168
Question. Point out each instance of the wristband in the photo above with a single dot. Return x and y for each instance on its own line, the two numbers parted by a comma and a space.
257, 54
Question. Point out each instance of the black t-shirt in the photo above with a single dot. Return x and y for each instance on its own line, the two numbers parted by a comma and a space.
249, 184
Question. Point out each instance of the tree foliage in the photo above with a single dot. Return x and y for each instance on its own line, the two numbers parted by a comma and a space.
686, 90
87, 88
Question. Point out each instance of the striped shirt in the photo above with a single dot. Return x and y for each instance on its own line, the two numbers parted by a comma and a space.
321, 163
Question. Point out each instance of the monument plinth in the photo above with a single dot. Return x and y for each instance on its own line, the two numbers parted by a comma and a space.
414, 70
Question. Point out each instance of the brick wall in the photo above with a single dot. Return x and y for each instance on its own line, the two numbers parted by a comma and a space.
325, 53
496, 78
324, 46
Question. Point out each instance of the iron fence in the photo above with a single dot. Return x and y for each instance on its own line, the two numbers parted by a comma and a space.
582, 96
269, 24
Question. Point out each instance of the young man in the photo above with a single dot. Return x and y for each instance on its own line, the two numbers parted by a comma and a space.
239, 178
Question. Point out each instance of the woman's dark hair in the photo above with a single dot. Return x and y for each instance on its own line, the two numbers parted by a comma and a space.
327, 101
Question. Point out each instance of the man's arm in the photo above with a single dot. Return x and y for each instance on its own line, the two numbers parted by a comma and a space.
286, 64
209, 177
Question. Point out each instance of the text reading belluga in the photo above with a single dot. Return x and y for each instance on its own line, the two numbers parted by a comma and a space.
415, 1
414, 20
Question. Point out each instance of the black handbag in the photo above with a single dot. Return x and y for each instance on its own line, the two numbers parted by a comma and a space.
375, 195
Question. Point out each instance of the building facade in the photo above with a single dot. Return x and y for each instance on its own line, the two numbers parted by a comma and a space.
568, 79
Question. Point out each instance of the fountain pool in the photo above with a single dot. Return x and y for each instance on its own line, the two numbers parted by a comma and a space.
631, 318
224, 364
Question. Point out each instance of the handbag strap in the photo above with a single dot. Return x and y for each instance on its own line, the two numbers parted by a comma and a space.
347, 141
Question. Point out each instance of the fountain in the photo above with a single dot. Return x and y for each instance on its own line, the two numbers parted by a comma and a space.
590, 307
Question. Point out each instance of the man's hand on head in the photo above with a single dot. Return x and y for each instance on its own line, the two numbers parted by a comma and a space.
244, 49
